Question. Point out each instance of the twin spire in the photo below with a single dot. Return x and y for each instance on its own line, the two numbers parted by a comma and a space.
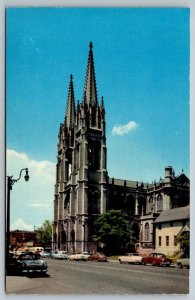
90, 91
70, 109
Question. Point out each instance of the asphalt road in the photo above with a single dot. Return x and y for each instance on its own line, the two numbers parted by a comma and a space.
109, 278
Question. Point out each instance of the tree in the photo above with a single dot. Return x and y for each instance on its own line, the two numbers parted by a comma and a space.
46, 232
112, 230
184, 240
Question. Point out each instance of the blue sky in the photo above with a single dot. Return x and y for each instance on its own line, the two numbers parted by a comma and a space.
142, 70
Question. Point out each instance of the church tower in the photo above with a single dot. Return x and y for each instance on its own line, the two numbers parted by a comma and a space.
81, 171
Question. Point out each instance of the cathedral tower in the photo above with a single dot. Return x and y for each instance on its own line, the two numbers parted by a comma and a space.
81, 172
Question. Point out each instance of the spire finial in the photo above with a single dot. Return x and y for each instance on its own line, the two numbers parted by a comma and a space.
90, 81
70, 108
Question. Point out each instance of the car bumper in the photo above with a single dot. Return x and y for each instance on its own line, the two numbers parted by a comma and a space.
33, 271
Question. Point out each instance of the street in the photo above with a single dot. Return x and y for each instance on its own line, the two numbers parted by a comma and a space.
78, 278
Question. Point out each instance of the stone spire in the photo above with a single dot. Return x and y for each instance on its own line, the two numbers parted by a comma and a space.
70, 108
90, 91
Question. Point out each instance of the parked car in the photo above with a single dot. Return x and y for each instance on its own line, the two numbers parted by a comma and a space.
80, 256
134, 258
157, 259
45, 254
97, 256
59, 254
28, 262
183, 262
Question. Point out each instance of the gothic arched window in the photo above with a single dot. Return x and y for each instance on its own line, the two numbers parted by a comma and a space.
97, 149
94, 154
93, 202
150, 204
141, 206
159, 202
93, 116
130, 205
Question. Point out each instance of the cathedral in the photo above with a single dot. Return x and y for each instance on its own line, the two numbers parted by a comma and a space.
84, 190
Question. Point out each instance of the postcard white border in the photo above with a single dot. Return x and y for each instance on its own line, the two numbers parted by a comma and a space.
97, 3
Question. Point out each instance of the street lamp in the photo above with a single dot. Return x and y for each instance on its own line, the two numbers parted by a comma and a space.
10, 183
83, 223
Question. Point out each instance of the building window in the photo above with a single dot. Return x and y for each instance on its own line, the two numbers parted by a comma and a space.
171, 224
147, 231
150, 204
159, 202
175, 240
159, 226
167, 240
159, 240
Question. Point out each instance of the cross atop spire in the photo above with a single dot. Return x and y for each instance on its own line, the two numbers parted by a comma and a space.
70, 108
90, 91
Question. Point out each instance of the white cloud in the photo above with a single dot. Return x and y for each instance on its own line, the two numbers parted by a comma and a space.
31, 201
124, 129
19, 224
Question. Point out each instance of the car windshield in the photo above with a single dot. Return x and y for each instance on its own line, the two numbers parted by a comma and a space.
160, 255
29, 256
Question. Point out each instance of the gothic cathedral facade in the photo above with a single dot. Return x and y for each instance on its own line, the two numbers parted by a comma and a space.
83, 189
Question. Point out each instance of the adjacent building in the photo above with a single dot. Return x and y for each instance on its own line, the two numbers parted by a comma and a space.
168, 226
84, 190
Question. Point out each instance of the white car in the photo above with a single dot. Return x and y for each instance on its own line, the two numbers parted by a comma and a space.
183, 263
59, 255
80, 256
135, 258
45, 254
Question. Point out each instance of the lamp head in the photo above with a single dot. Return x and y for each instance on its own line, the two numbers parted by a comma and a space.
26, 177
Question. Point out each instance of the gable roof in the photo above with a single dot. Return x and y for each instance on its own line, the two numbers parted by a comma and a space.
182, 179
179, 213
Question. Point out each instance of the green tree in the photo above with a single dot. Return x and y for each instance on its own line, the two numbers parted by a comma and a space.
46, 232
112, 230
184, 240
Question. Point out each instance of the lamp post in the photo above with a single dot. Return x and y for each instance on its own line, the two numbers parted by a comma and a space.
10, 183
83, 223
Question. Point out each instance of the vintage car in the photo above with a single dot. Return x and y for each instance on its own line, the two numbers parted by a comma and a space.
157, 259
28, 262
80, 256
45, 254
59, 254
97, 256
134, 258
183, 263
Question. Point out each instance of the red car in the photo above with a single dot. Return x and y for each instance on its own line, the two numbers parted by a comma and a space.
98, 257
157, 259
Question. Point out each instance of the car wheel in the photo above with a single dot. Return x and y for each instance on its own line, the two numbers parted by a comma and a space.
180, 265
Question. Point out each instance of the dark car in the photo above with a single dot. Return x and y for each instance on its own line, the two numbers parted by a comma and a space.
156, 259
97, 256
27, 263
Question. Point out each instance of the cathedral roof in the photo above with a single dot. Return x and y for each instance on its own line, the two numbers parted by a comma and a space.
179, 213
70, 109
129, 183
90, 91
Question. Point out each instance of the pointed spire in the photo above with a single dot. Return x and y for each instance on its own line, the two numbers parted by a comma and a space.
70, 108
90, 91
102, 102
